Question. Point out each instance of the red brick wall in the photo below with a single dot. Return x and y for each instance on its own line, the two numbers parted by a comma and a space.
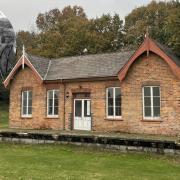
23, 79
151, 71
145, 71
98, 104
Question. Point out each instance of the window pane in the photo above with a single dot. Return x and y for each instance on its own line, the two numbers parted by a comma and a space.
56, 110
29, 110
24, 110
87, 111
147, 111
147, 101
118, 111
78, 108
110, 101
110, 92
85, 108
156, 101
30, 94
110, 111
25, 102
56, 94
156, 111
50, 94
156, 91
25, 94
118, 97
117, 102
147, 91
50, 102
53, 97
50, 110
30, 102
56, 103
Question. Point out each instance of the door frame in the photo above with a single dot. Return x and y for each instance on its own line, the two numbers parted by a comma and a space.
81, 99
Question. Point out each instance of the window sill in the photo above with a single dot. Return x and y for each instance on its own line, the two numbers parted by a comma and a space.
52, 117
113, 119
26, 117
152, 120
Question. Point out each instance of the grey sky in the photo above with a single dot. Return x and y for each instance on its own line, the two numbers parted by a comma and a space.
22, 13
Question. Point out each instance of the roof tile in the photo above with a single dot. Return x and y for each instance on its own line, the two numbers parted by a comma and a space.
86, 66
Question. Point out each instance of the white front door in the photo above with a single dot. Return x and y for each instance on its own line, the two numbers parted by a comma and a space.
82, 114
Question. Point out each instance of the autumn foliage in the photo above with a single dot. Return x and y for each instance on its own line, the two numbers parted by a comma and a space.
70, 32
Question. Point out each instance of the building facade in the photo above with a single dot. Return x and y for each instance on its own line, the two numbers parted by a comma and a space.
133, 92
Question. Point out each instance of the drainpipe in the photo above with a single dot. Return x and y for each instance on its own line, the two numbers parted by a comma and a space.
64, 115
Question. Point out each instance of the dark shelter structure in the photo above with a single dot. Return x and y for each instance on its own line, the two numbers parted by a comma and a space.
7, 45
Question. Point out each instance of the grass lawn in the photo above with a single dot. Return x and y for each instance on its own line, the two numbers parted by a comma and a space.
72, 162
3, 115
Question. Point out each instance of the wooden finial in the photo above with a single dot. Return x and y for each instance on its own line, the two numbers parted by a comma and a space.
147, 32
147, 39
23, 56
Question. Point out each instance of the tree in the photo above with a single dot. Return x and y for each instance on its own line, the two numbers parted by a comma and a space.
69, 32
162, 20
62, 33
27, 39
172, 27
106, 33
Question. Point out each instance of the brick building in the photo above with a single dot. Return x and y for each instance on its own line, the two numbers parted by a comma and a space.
134, 92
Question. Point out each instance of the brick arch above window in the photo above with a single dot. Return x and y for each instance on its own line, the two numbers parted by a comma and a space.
151, 83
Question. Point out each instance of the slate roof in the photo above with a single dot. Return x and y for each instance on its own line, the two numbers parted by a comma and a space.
86, 66
40, 64
169, 52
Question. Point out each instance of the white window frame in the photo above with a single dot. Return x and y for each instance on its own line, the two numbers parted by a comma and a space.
152, 117
114, 107
52, 115
27, 105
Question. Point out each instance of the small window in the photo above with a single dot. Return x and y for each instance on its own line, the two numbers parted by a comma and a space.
151, 102
26, 103
52, 102
113, 102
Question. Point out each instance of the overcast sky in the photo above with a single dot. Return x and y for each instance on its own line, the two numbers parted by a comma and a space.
22, 13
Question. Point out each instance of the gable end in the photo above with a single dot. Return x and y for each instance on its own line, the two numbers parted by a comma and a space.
17, 66
149, 46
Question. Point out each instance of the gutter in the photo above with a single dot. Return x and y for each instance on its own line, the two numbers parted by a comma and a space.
64, 112
82, 79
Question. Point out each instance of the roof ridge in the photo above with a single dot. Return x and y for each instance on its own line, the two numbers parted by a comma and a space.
95, 54
37, 56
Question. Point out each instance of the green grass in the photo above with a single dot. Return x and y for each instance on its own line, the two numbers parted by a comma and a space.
3, 115
72, 162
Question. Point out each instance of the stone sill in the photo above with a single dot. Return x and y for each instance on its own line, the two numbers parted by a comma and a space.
26, 117
113, 119
152, 120
52, 117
